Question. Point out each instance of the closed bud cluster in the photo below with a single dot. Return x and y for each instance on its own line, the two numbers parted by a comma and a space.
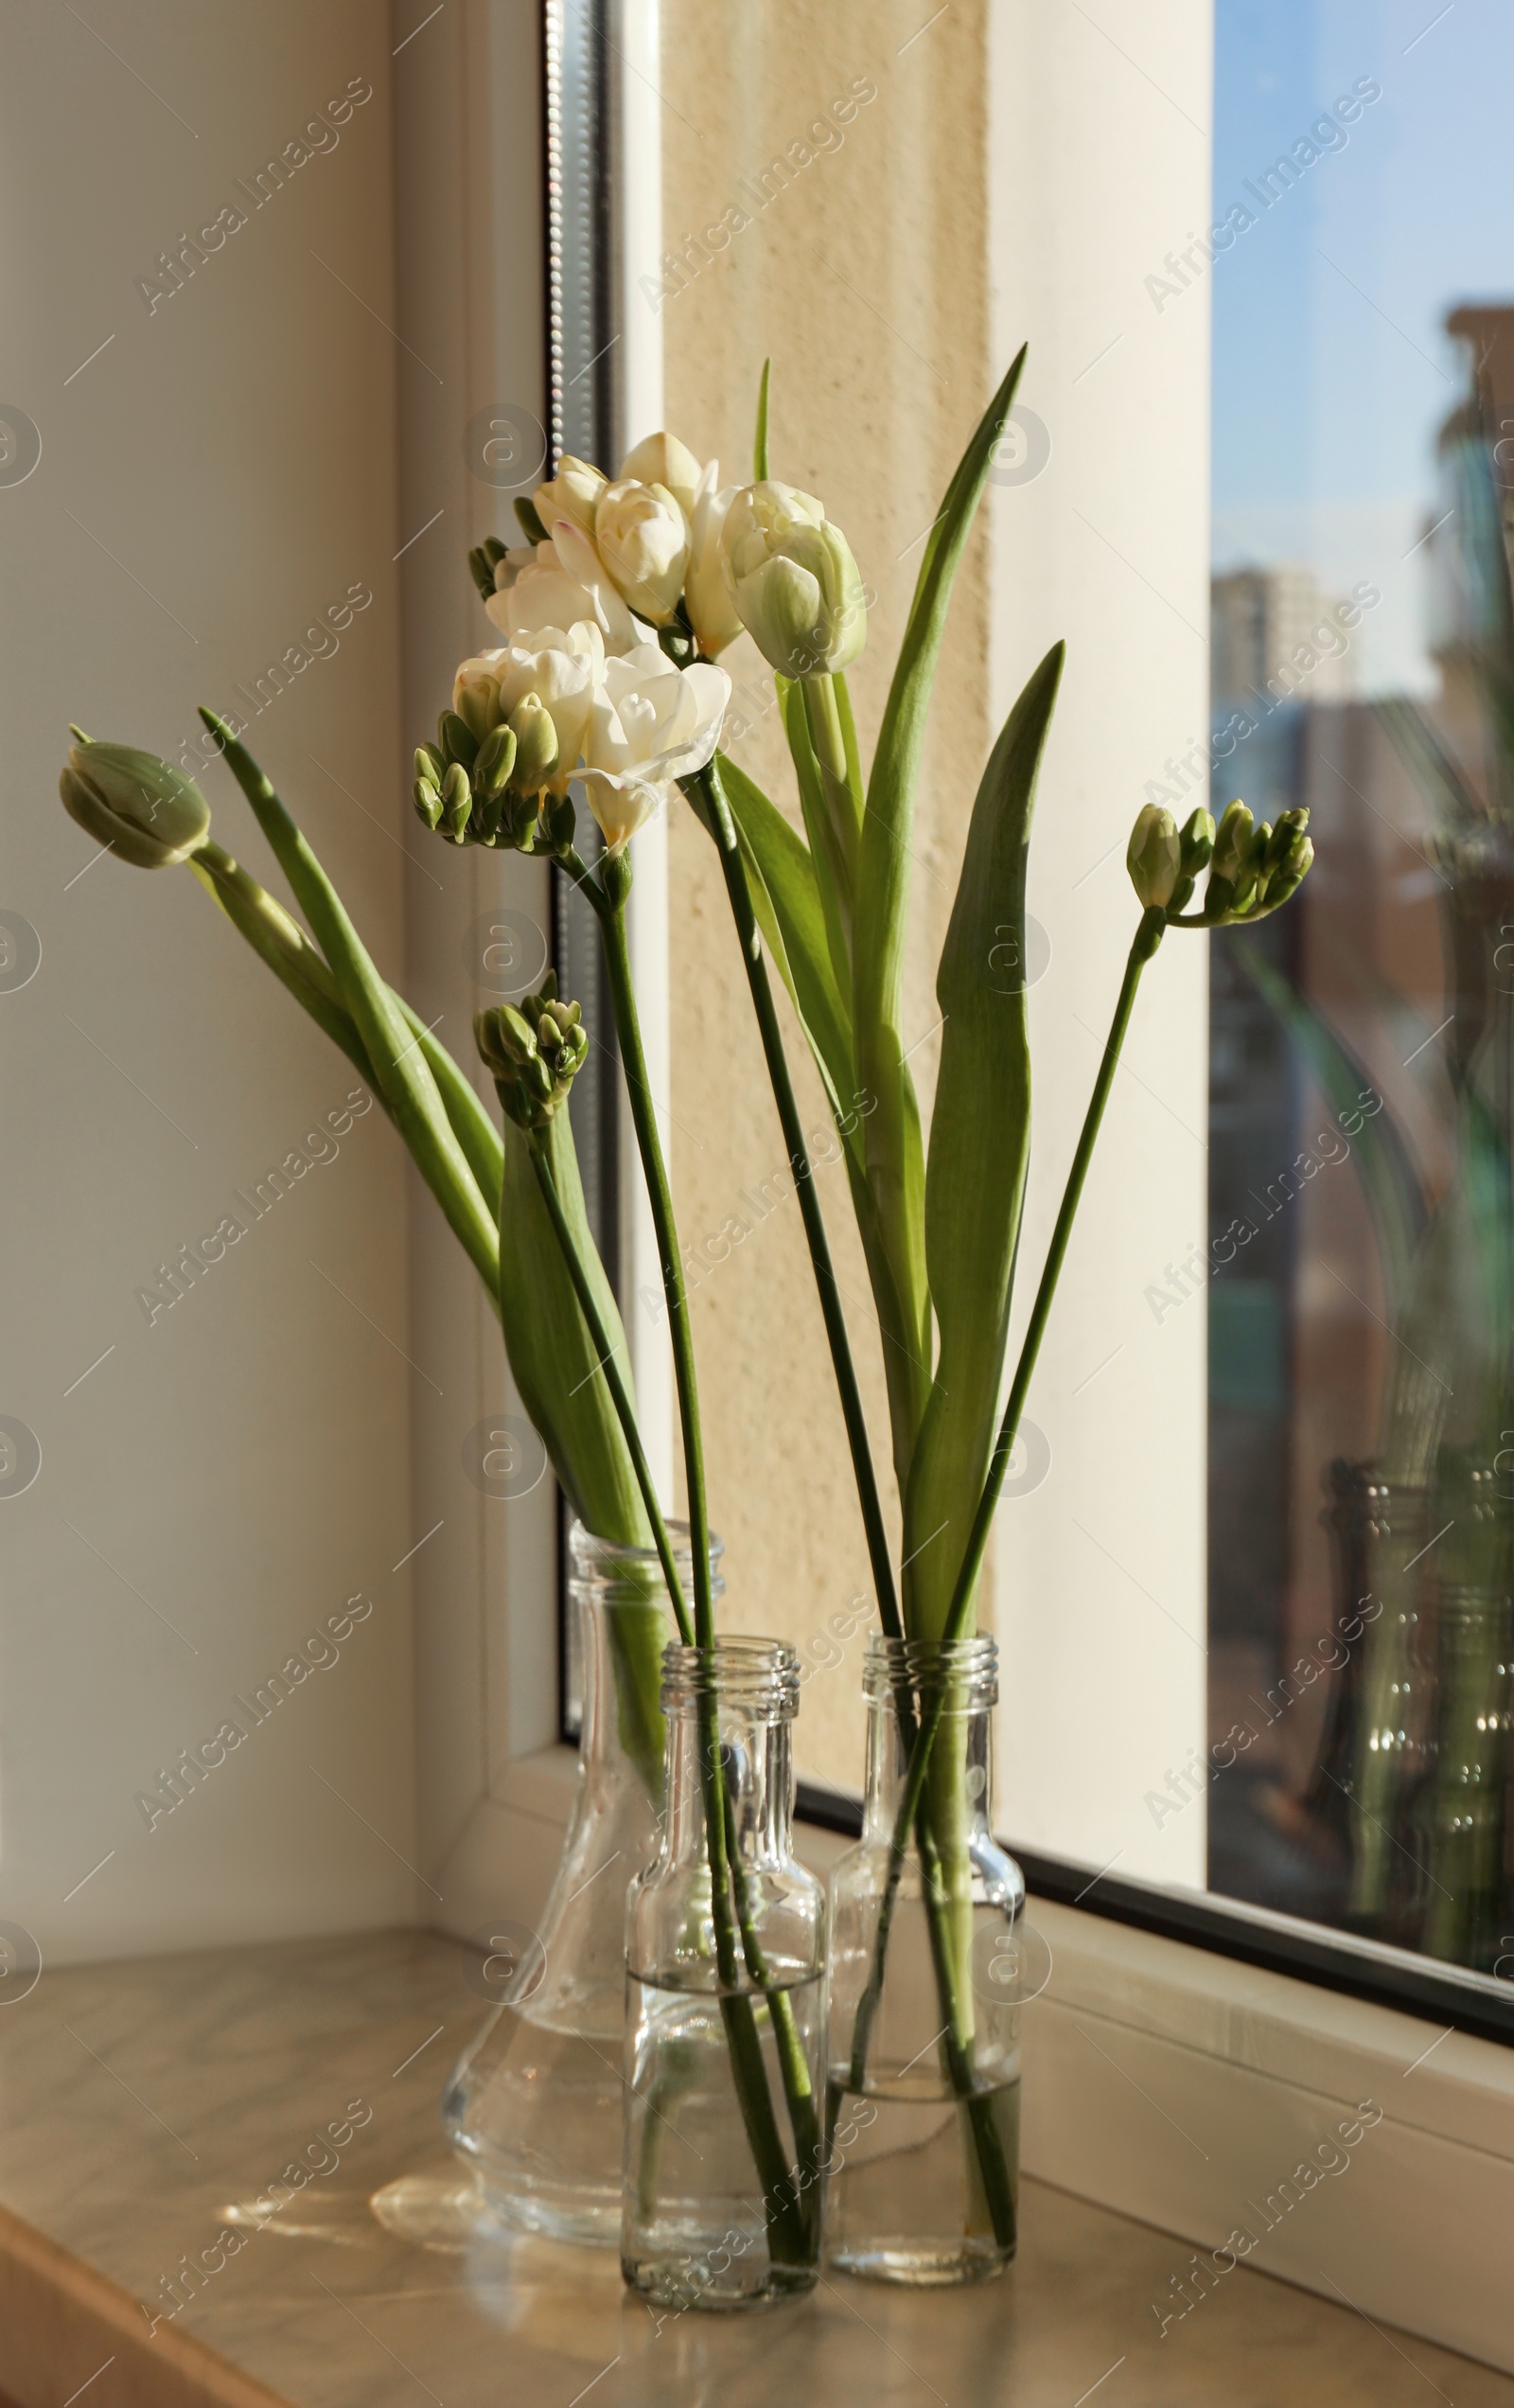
533, 1050
1253, 869
487, 788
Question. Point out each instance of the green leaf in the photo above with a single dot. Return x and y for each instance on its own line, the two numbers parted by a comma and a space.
901, 738
1394, 1194
790, 903
282, 944
472, 1126
787, 899
895, 1164
979, 1149
759, 449
551, 1354
400, 1070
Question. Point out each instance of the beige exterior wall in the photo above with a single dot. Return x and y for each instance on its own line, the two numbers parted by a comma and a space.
866, 280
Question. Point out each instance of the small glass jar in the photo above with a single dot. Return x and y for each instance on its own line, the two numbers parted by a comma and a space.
725, 2016
924, 2105
534, 2104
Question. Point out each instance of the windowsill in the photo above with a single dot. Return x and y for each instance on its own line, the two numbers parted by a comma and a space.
1173, 2083
248, 2053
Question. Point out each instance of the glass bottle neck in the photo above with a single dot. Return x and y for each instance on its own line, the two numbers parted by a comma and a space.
908, 1682
622, 1617
757, 1761
735, 1715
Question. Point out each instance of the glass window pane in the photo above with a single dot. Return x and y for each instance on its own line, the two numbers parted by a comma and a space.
1362, 1096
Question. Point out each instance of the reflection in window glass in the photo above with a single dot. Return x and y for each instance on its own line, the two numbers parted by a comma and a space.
1362, 1113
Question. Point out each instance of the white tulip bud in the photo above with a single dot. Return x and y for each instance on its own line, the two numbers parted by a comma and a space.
662, 459
641, 537
793, 580
712, 614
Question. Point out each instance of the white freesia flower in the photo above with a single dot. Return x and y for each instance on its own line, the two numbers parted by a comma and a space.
793, 580
563, 667
641, 536
573, 493
559, 584
649, 724
662, 459
712, 614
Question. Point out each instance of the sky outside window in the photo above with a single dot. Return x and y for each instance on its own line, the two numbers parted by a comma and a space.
1331, 367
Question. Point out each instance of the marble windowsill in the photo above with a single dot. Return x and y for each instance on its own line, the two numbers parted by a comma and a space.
139, 2101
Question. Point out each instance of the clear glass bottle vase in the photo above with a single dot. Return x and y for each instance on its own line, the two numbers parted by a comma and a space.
725, 2001
534, 2103
923, 2096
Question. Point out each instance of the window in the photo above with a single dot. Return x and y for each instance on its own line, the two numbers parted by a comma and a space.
1360, 1686
1149, 1618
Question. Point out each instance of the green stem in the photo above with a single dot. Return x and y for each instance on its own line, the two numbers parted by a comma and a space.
990, 2150
910, 1812
833, 818
798, 2089
644, 1118
735, 871
787, 2238
613, 1381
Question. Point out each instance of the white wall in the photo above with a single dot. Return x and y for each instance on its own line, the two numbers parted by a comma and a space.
220, 473
1101, 160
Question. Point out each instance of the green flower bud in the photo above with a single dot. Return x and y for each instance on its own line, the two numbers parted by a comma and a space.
1196, 842
559, 822
429, 764
457, 739
1290, 828
518, 821
535, 742
1291, 873
533, 1049
481, 562
1153, 856
428, 801
1249, 875
1231, 841
530, 518
491, 771
148, 813
457, 803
